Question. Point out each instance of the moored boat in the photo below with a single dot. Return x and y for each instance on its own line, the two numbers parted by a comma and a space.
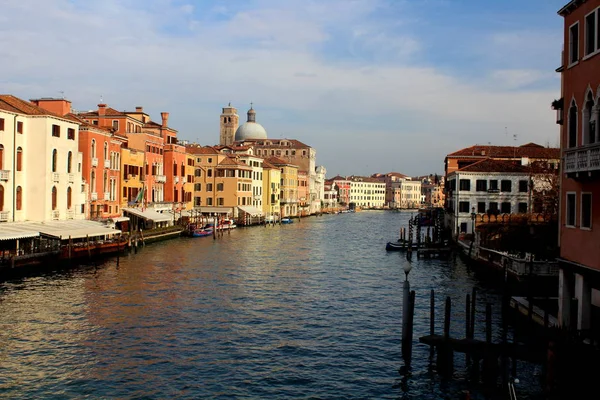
286, 220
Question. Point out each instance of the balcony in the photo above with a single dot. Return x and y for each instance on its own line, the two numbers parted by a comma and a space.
107, 163
131, 176
161, 178
582, 159
176, 178
106, 195
94, 196
94, 162
4, 175
70, 214
4, 215
71, 178
55, 214
55, 177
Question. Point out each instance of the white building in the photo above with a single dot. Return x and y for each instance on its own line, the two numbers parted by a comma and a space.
367, 192
40, 164
317, 189
487, 186
257, 178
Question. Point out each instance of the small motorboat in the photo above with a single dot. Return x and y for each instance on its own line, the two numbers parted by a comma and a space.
286, 220
202, 232
391, 246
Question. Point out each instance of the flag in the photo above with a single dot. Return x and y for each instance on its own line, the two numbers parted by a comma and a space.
140, 196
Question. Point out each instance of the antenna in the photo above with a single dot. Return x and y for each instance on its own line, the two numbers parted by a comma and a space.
62, 94
101, 99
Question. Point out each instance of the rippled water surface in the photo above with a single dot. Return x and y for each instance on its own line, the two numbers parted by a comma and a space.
306, 310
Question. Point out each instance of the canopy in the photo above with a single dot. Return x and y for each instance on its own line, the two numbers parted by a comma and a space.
149, 214
215, 210
120, 219
17, 231
251, 210
71, 228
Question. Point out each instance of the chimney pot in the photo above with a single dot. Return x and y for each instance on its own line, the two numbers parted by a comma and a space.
165, 118
139, 109
102, 109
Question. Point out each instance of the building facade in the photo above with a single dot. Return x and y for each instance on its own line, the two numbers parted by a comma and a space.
367, 192
578, 112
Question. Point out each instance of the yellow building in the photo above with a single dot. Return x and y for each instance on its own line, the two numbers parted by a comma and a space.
271, 190
132, 167
188, 185
288, 188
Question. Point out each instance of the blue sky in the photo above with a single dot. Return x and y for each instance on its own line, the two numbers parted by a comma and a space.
372, 85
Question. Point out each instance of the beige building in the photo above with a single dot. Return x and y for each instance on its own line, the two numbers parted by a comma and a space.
271, 190
288, 198
366, 192
228, 125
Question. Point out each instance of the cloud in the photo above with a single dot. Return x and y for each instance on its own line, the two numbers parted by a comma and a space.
323, 72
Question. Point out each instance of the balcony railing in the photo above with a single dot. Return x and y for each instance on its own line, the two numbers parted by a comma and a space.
176, 179
4, 175
70, 214
4, 215
94, 162
94, 196
582, 159
55, 214
55, 177
106, 195
131, 176
71, 178
161, 178
107, 163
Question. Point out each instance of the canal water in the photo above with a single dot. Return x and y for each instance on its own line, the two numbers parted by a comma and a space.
309, 310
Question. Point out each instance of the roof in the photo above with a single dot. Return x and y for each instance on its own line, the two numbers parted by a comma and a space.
293, 143
338, 178
530, 150
201, 150
279, 161
149, 214
11, 103
569, 7
108, 112
230, 161
492, 165
268, 165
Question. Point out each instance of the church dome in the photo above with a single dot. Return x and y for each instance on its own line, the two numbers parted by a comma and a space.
250, 129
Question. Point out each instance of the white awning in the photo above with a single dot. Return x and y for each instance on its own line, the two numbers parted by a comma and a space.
76, 229
215, 210
253, 211
120, 219
149, 214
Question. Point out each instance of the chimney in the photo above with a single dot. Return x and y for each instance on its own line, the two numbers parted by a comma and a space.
139, 109
101, 109
165, 118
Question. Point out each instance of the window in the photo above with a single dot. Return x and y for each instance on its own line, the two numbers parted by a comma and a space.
115, 125
93, 148
465, 184
69, 198
19, 127
494, 185
54, 200
481, 185
174, 169
463, 227
220, 201
54, 157
70, 133
493, 208
522, 208
1, 156
481, 207
209, 173
1, 124
69, 162
56, 130
219, 187
198, 187
506, 186
523, 186
105, 150
573, 124
463, 207
209, 187
505, 207
19, 198
1, 198
210, 160
574, 43
591, 32
209, 201
198, 172
182, 169
586, 210
570, 210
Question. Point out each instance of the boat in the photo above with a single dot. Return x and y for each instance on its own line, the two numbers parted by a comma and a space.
227, 224
202, 232
397, 246
286, 220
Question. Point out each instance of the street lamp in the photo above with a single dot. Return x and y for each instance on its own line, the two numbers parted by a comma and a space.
407, 268
473, 215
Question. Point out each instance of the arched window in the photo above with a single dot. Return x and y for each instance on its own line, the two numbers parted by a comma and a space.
68, 198
105, 183
54, 159
1, 198
19, 159
572, 125
93, 148
69, 162
93, 181
588, 121
175, 195
54, 200
1, 156
174, 169
182, 170
105, 150
19, 199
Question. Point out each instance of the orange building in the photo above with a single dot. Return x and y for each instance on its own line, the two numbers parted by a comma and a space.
578, 113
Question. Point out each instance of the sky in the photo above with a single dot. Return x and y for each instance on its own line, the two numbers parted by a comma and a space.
374, 86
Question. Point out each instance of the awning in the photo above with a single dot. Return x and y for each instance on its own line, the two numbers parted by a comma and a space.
215, 210
76, 229
251, 210
149, 214
120, 219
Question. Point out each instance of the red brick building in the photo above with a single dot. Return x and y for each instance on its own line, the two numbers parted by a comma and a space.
578, 114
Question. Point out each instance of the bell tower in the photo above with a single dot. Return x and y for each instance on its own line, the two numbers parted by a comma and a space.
229, 124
